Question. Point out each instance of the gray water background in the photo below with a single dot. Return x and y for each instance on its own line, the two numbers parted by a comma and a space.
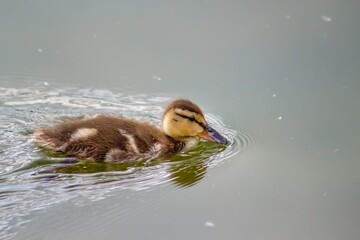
285, 72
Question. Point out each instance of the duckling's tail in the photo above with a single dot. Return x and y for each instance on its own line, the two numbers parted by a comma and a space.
44, 138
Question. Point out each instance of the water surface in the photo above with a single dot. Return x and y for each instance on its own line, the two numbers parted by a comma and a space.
285, 73
35, 178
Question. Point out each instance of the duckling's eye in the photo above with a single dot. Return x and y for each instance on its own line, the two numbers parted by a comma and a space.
192, 118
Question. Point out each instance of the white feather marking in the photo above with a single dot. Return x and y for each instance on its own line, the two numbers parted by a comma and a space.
83, 133
131, 140
113, 155
156, 147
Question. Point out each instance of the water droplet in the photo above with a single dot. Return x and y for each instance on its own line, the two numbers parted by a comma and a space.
157, 78
279, 118
326, 18
39, 50
209, 224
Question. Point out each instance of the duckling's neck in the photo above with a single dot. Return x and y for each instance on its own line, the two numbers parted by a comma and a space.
186, 143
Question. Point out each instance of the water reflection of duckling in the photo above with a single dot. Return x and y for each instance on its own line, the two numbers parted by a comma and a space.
106, 138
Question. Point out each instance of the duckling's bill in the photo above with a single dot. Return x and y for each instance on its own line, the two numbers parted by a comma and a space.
212, 135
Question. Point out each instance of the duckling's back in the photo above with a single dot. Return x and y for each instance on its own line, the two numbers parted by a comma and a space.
107, 138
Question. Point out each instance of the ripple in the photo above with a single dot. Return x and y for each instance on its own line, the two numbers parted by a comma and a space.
31, 180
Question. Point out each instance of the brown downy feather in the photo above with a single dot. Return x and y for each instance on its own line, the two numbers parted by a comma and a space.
107, 138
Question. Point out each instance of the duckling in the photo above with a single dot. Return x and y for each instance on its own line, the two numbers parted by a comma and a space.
106, 138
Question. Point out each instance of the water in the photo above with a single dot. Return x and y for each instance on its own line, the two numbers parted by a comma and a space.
279, 79
34, 179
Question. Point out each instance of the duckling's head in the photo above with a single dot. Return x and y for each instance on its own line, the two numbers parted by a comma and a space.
183, 119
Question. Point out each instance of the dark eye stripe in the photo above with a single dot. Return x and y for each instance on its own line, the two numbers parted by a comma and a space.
192, 119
